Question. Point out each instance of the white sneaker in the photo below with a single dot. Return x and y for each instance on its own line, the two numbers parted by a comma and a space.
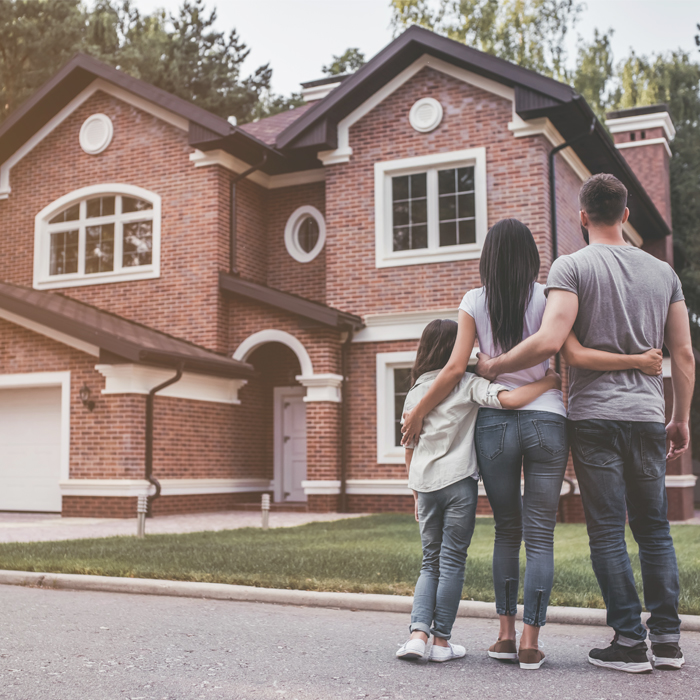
412, 649
451, 651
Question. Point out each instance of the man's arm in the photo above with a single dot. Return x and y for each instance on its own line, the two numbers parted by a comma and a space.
557, 322
576, 355
677, 340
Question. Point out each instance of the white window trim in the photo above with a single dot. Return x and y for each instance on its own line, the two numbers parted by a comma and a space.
387, 362
383, 172
46, 379
291, 231
42, 280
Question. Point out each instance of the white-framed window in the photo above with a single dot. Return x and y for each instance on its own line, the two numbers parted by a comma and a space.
393, 383
430, 208
97, 234
305, 234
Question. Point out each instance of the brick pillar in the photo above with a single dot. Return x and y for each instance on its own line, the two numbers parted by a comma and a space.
323, 455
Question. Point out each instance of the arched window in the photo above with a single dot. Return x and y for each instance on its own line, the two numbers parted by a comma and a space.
98, 234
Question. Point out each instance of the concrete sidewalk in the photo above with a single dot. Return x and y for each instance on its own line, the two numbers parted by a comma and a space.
38, 527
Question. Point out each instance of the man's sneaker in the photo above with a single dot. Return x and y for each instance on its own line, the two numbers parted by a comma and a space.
668, 655
620, 658
504, 649
451, 651
412, 649
530, 658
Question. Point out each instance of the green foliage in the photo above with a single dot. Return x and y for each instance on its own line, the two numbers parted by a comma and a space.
594, 72
348, 62
375, 554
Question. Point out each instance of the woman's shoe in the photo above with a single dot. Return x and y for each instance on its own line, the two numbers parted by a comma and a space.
504, 649
451, 651
530, 659
412, 649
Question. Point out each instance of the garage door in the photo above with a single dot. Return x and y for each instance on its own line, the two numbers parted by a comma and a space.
30, 449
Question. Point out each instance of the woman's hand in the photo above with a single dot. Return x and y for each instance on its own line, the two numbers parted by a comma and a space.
651, 362
557, 378
415, 505
412, 425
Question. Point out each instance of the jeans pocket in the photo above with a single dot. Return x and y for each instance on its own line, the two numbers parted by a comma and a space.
552, 435
596, 446
490, 439
653, 448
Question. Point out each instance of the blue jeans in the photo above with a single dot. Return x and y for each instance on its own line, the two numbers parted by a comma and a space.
534, 441
446, 527
621, 469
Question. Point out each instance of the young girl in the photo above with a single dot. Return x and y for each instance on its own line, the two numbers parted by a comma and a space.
442, 472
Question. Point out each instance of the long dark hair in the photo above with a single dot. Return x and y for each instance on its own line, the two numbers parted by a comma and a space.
435, 347
509, 266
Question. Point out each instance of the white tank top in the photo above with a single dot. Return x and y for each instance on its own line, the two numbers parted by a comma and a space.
474, 303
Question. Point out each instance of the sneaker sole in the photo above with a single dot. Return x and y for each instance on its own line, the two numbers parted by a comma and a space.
665, 662
532, 667
503, 656
410, 656
438, 660
622, 666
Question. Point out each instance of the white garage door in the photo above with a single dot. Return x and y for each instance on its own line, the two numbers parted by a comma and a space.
30, 449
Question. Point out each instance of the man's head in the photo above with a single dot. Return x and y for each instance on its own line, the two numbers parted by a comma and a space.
603, 202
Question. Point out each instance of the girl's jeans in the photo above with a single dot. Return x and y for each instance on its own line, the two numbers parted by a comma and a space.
446, 528
535, 441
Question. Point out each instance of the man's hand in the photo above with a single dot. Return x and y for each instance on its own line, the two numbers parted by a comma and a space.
484, 366
557, 377
415, 503
678, 434
412, 425
651, 362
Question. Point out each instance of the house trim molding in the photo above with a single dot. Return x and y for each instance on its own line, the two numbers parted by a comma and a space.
399, 326
169, 487
322, 387
655, 120
646, 142
254, 341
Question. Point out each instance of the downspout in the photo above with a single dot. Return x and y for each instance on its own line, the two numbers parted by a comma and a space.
150, 399
344, 422
553, 199
233, 225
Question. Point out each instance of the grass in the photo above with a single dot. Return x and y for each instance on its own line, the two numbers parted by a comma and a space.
375, 554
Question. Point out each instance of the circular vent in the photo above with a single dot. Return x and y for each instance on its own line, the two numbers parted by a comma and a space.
425, 115
96, 134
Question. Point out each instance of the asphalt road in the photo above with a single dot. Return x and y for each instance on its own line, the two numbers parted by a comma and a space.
67, 645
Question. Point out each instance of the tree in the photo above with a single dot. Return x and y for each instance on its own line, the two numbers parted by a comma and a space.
594, 73
348, 62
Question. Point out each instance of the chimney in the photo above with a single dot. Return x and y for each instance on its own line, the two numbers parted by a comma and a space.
642, 134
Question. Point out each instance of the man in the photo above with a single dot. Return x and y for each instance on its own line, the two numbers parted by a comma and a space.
618, 298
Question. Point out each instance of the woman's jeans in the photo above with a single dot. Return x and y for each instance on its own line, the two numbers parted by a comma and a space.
446, 527
535, 441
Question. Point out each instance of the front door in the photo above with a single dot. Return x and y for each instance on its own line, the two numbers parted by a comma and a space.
290, 462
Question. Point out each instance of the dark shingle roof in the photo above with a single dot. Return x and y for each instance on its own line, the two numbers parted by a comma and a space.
266, 130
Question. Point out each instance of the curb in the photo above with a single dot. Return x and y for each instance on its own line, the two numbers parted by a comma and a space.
313, 599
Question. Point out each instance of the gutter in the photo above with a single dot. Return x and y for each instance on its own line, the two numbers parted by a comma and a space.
149, 432
233, 221
344, 423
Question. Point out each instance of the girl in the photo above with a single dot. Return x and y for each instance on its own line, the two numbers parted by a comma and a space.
442, 472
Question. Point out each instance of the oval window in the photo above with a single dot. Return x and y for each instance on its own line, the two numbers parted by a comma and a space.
305, 234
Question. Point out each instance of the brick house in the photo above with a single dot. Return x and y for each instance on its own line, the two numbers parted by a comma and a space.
217, 311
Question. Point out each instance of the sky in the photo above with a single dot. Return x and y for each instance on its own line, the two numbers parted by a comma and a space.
298, 37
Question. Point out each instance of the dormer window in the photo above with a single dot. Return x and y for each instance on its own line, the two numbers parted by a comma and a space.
96, 235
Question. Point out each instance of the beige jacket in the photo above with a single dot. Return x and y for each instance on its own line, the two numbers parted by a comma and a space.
445, 452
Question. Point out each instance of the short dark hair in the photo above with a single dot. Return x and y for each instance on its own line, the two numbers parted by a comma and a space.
435, 347
604, 198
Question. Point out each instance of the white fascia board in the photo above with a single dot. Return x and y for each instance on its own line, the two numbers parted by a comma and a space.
98, 84
50, 333
643, 121
140, 379
202, 159
631, 234
343, 152
169, 487
318, 92
646, 142
399, 326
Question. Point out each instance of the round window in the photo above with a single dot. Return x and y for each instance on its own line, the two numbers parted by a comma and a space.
305, 234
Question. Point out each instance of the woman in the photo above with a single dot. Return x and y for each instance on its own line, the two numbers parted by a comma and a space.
502, 313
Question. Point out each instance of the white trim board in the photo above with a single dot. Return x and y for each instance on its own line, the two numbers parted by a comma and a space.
646, 142
271, 335
203, 159
399, 326
98, 84
170, 487
34, 380
655, 120
140, 379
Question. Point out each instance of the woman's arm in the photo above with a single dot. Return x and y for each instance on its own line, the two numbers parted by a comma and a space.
448, 378
576, 355
409, 457
523, 395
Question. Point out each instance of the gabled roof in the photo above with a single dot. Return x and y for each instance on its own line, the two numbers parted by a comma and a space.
311, 310
269, 128
535, 96
115, 335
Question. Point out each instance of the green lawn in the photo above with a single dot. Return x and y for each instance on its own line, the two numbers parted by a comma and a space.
376, 554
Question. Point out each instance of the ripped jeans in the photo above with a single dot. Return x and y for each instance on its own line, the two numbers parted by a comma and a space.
535, 441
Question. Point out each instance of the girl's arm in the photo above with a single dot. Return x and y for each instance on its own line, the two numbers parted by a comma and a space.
523, 395
576, 355
409, 457
448, 378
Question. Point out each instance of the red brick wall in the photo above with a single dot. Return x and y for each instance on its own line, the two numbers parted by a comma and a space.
251, 234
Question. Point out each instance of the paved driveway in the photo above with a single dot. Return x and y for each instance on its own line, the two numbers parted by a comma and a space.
65, 645
32, 527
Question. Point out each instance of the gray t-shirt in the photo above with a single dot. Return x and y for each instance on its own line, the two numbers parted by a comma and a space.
624, 295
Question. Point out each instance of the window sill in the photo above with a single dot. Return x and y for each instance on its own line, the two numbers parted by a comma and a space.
427, 257
392, 457
147, 273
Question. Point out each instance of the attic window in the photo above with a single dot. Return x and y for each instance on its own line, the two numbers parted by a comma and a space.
95, 235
